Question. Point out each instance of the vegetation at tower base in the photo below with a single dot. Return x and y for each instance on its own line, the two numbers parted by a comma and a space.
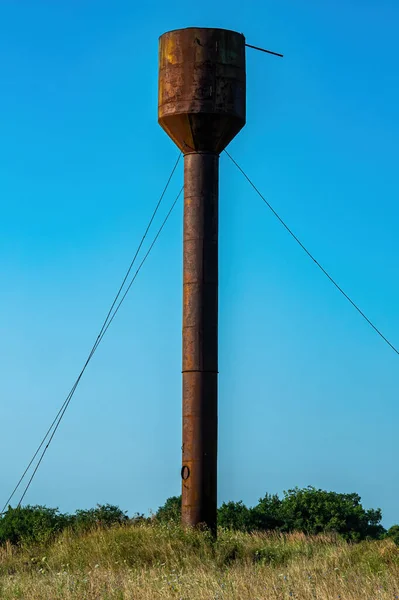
145, 561
170, 511
39, 524
309, 510
31, 524
393, 534
308, 544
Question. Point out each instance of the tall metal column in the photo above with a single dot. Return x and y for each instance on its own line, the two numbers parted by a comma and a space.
200, 338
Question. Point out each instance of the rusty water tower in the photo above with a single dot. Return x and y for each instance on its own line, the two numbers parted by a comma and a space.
202, 107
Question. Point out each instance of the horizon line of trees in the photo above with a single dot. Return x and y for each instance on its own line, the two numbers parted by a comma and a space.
309, 510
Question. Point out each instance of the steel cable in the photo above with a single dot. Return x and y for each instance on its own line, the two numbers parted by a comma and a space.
322, 269
107, 321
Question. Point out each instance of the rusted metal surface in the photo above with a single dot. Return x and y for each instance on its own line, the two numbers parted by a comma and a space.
201, 107
200, 339
201, 94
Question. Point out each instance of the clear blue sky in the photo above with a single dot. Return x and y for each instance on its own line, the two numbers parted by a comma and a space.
308, 392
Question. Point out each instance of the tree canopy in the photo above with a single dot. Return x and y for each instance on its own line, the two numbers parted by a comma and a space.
308, 510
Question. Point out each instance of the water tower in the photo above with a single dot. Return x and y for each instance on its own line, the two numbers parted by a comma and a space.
202, 107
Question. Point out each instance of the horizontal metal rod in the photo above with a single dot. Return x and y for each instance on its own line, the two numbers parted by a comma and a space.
263, 50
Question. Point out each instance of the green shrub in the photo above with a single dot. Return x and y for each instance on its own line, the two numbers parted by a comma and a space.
307, 510
393, 534
235, 515
314, 511
39, 524
33, 524
170, 512
267, 515
101, 516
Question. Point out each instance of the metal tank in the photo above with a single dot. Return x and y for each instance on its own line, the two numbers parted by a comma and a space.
201, 106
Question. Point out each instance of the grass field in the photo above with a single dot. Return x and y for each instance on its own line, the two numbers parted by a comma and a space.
146, 562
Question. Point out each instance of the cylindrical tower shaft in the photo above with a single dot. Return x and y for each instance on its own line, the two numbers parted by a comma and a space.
200, 339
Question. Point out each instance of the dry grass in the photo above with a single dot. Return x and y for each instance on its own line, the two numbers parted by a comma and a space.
149, 562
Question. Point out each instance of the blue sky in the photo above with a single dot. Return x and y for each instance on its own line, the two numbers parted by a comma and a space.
308, 392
